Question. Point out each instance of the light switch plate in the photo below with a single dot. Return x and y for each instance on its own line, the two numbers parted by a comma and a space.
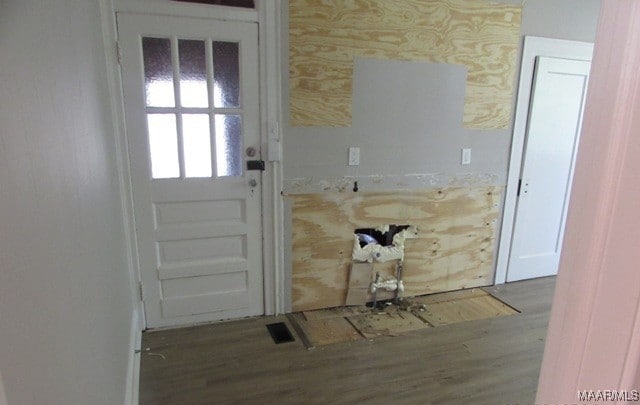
354, 156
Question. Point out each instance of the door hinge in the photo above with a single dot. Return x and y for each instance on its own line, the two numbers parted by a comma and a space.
141, 291
519, 187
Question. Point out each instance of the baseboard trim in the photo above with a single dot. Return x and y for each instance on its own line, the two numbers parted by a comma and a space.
133, 370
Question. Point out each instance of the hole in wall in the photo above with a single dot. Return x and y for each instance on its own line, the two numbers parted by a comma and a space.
378, 236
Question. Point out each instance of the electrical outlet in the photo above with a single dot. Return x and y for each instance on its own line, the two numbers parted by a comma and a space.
354, 156
466, 156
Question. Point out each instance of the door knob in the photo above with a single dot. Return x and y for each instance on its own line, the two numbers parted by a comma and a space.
253, 183
251, 151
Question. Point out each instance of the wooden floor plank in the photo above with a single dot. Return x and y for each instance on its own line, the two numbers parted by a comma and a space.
325, 331
339, 312
487, 361
297, 327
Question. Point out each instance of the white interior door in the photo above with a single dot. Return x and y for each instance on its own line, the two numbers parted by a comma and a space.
555, 118
191, 104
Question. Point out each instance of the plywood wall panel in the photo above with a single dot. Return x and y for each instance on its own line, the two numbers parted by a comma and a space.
453, 250
325, 37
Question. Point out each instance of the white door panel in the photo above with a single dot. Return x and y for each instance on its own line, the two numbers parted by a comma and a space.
191, 105
555, 118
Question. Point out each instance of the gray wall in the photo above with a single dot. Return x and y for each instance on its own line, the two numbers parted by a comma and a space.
3, 397
575, 20
65, 299
315, 154
407, 121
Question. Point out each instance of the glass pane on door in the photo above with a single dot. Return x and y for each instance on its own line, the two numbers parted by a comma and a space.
226, 74
228, 145
158, 72
163, 146
193, 73
197, 145
181, 141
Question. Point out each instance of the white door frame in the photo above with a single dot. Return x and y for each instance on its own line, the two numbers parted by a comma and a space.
267, 15
533, 47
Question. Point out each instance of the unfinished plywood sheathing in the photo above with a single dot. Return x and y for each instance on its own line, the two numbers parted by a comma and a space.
453, 248
462, 306
359, 283
326, 36
325, 331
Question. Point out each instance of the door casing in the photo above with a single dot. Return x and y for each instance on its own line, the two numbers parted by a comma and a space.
533, 47
199, 238
268, 16
547, 171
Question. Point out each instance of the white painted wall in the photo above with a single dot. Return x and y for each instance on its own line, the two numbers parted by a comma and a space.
65, 300
3, 397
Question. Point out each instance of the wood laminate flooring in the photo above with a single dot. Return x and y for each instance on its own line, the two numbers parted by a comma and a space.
489, 361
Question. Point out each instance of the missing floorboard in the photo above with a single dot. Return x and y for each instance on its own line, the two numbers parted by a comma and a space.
324, 331
387, 323
280, 333
461, 306
337, 325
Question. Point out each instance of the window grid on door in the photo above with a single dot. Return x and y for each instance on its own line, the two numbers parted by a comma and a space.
193, 106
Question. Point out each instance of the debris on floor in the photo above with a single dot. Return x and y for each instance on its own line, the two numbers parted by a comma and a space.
387, 323
338, 312
397, 317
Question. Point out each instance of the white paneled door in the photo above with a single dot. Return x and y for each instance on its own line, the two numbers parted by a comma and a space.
192, 120
555, 118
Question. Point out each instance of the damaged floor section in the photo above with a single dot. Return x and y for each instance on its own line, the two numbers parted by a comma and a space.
346, 324
484, 362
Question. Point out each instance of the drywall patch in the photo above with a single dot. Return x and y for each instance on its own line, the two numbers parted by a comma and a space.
326, 36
